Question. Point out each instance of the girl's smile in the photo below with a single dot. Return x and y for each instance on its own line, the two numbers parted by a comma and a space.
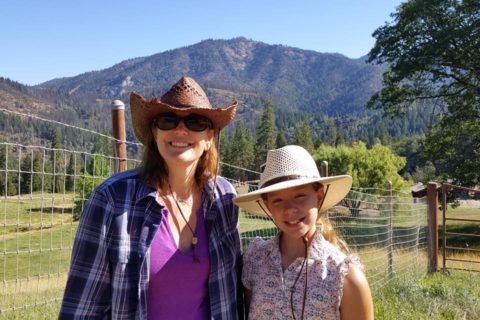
295, 210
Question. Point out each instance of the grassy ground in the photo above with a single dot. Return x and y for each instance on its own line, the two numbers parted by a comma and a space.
37, 234
438, 297
36, 237
435, 297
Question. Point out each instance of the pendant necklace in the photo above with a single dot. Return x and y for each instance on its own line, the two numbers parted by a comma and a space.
194, 238
292, 289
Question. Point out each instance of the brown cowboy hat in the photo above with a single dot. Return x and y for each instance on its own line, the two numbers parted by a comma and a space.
185, 97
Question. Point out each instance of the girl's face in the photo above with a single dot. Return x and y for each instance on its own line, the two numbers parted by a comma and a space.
295, 210
181, 146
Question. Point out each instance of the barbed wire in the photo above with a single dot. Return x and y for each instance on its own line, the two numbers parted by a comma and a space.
67, 125
97, 133
237, 167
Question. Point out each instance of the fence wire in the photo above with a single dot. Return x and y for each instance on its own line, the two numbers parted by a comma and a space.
388, 233
42, 192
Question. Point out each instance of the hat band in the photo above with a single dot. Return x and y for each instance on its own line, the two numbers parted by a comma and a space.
282, 179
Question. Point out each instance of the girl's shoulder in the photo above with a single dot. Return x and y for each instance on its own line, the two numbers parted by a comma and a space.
352, 259
334, 255
257, 249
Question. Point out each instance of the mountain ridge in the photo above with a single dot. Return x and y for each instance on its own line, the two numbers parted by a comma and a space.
329, 88
295, 79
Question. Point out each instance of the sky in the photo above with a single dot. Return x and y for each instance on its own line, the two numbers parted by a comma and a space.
45, 39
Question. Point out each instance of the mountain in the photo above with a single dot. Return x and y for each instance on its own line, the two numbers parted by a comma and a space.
295, 79
18, 103
329, 88
17, 97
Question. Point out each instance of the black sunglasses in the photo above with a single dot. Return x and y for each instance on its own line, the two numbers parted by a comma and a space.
193, 122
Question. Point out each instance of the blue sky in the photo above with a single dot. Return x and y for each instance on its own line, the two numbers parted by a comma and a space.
45, 39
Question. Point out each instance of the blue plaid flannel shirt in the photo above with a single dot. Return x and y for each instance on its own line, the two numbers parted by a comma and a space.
109, 268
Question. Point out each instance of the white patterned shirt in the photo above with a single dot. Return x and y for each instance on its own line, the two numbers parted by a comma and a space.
270, 286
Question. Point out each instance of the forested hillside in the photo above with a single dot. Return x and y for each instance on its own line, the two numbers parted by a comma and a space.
326, 92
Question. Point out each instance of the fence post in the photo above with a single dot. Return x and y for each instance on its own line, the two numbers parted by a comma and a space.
390, 229
445, 190
118, 131
324, 169
324, 173
432, 239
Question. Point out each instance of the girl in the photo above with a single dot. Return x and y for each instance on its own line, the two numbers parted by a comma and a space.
301, 273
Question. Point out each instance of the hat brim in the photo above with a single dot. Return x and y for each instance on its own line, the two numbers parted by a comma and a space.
338, 188
144, 112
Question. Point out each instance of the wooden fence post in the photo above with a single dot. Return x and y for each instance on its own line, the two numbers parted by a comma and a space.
324, 173
118, 132
324, 169
390, 229
432, 235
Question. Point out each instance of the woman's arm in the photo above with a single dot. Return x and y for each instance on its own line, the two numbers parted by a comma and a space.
88, 289
357, 299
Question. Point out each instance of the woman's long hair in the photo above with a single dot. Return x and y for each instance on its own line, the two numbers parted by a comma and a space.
155, 171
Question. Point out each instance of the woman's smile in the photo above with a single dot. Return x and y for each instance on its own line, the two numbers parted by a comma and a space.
181, 146
177, 144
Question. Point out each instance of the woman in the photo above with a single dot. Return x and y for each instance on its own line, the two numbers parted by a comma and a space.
161, 241
301, 273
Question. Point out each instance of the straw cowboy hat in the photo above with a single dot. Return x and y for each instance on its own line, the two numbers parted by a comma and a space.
292, 166
185, 97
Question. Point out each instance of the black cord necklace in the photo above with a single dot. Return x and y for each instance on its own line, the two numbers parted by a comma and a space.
194, 238
292, 290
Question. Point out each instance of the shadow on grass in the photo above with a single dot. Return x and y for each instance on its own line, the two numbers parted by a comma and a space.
470, 235
51, 210
365, 235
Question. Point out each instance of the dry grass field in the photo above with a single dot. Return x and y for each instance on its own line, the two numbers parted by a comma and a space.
37, 234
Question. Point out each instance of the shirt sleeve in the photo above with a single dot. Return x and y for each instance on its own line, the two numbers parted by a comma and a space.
351, 259
88, 291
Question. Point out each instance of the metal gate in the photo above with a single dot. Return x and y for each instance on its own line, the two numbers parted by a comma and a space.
455, 241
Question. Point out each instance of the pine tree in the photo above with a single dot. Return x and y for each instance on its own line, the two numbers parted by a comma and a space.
71, 171
240, 152
57, 138
281, 140
58, 162
26, 176
37, 172
303, 135
266, 134
98, 165
8, 181
31, 176
331, 129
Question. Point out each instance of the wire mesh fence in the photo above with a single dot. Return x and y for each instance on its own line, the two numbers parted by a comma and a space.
42, 194
388, 233
43, 191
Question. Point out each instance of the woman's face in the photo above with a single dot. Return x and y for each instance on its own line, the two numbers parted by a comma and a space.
295, 210
181, 146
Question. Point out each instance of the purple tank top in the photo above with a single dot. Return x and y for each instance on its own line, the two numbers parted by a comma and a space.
178, 286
